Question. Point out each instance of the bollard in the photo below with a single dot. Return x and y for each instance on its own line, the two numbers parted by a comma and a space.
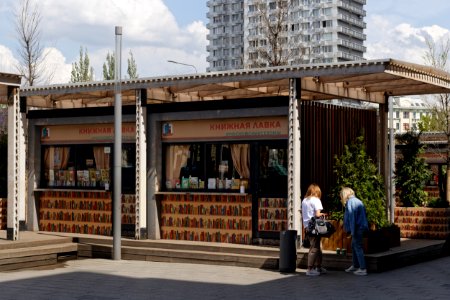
288, 251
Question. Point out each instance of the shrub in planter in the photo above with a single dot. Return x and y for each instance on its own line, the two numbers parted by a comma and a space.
412, 172
355, 169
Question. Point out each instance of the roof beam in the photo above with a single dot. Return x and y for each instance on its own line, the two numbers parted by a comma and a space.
313, 84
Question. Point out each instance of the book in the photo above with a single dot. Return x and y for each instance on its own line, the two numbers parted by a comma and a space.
193, 182
211, 183
184, 183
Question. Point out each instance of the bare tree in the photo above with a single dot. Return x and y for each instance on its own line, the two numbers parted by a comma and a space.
270, 43
437, 55
31, 54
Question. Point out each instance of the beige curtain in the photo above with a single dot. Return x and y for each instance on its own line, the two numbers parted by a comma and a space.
53, 162
240, 153
65, 152
49, 154
101, 158
176, 158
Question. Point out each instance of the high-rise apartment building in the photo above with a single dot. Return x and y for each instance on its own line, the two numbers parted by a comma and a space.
313, 31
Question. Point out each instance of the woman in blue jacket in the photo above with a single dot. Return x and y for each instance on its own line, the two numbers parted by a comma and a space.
355, 223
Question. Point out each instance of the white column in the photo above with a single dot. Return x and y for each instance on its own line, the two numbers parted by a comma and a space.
294, 196
16, 166
141, 165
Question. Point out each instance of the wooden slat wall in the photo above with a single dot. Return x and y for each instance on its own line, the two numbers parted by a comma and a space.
325, 129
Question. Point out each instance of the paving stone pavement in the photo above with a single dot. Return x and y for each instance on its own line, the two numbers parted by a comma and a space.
97, 279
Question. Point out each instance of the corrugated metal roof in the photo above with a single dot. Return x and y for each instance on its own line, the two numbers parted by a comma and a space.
368, 80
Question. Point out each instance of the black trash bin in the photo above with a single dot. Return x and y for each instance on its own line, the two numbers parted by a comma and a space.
288, 251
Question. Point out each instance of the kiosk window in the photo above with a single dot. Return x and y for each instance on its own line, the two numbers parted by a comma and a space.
87, 166
273, 170
207, 165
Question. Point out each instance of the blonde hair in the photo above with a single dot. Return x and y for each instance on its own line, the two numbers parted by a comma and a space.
346, 193
313, 190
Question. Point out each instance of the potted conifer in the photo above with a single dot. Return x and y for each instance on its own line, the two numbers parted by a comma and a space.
355, 169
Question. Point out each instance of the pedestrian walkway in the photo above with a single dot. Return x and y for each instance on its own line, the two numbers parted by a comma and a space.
409, 252
108, 279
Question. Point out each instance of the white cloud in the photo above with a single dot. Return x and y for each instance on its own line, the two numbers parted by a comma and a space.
436, 32
7, 60
55, 68
402, 41
149, 29
93, 21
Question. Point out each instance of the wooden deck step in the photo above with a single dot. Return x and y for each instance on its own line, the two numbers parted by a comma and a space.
179, 255
29, 256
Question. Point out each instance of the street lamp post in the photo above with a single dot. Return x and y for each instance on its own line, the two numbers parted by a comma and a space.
180, 63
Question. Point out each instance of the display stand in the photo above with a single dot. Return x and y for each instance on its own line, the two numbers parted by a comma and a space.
272, 214
209, 217
82, 211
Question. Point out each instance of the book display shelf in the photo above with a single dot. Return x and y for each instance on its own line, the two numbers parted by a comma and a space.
87, 212
208, 217
272, 214
129, 209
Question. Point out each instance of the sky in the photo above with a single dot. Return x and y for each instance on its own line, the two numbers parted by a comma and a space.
156, 31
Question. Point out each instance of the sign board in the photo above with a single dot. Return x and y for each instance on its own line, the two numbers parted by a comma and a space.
85, 133
226, 129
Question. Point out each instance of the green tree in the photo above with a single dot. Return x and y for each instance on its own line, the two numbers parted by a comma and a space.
411, 172
429, 123
109, 67
355, 169
82, 71
132, 67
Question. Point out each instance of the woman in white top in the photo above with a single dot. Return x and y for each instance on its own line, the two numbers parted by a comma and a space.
312, 207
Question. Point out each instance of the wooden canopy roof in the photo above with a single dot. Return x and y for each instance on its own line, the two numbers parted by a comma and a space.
367, 80
7, 80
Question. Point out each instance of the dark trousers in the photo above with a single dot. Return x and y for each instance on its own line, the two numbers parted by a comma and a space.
315, 252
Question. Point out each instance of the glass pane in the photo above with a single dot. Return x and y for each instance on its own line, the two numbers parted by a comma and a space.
128, 168
58, 166
184, 166
77, 165
273, 170
227, 165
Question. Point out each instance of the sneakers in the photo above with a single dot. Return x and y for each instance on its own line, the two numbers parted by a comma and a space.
312, 272
360, 272
351, 269
321, 270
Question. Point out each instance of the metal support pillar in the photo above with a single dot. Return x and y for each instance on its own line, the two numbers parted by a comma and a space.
383, 140
141, 163
294, 150
16, 165
391, 196
117, 192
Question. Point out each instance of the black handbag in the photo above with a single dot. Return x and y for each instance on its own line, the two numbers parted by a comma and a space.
320, 226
